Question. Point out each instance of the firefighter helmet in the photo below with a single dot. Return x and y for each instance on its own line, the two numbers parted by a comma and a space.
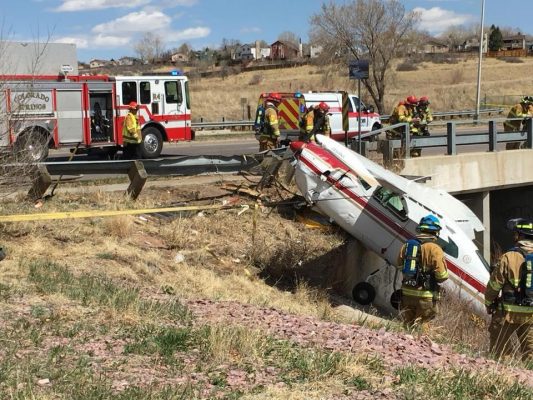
133, 105
275, 97
521, 225
423, 101
429, 224
411, 100
323, 106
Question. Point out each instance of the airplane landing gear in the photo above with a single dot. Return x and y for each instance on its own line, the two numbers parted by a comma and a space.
364, 293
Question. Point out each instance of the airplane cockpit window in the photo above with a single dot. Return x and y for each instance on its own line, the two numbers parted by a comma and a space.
449, 247
392, 201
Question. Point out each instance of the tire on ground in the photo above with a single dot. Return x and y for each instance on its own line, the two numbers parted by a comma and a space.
364, 293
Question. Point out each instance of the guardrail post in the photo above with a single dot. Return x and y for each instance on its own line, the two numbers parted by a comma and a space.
529, 132
407, 136
493, 135
450, 131
138, 176
41, 183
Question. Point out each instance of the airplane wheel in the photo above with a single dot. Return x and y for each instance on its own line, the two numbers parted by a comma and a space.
396, 299
364, 293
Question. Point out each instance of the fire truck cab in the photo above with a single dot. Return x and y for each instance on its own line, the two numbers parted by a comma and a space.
42, 112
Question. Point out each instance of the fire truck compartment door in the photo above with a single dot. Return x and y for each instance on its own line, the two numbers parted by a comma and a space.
69, 116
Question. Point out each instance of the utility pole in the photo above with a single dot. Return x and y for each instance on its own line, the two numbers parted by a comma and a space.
481, 35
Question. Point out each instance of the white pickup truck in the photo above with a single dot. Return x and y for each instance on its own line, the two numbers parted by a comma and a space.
294, 104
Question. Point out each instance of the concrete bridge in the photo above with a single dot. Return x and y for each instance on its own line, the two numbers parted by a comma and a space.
495, 185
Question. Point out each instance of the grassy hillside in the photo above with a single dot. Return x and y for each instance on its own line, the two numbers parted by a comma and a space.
449, 86
177, 307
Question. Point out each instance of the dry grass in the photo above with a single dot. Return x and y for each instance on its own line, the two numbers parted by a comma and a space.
447, 88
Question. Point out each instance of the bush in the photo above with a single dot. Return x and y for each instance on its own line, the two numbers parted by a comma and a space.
256, 79
407, 66
512, 60
443, 58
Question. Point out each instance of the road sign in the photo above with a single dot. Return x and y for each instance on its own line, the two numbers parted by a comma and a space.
358, 69
66, 68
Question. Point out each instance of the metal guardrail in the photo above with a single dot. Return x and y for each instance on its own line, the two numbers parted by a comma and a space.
451, 140
187, 165
437, 114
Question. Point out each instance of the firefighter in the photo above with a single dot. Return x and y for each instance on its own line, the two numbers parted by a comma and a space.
423, 112
316, 121
424, 268
306, 124
131, 131
509, 297
524, 109
269, 138
403, 112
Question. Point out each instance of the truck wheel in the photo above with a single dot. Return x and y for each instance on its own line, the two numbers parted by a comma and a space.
152, 143
33, 146
364, 293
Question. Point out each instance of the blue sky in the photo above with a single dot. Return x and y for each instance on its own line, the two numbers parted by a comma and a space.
109, 28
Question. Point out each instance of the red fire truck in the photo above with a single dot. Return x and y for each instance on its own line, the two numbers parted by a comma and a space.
42, 112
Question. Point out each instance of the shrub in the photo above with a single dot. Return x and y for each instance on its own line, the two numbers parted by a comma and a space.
407, 66
256, 80
512, 60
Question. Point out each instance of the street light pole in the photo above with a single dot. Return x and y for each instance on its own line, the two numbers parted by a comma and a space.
478, 96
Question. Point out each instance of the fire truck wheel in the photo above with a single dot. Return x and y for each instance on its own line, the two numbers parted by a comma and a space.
364, 293
152, 143
34, 145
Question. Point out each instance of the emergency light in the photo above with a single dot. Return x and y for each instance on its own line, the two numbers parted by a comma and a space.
176, 72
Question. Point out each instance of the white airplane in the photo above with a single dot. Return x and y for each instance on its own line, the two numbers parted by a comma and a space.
381, 210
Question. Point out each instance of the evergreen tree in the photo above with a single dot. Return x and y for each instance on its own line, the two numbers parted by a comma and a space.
495, 38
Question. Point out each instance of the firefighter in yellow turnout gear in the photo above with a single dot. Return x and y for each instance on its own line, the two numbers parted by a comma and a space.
315, 120
270, 136
524, 109
424, 268
131, 131
509, 295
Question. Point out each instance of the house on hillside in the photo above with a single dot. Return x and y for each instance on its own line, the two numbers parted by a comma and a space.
472, 44
315, 51
516, 42
98, 63
433, 46
248, 52
127, 61
280, 50
179, 57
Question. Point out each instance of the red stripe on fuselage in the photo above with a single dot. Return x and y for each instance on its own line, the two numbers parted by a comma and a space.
334, 162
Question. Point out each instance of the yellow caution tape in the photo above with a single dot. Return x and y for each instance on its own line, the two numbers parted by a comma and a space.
105, 213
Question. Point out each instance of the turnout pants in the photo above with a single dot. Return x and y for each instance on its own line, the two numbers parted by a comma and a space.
501, 333
417, 310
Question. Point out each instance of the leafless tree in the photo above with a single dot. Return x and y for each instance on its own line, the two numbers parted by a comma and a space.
18, 161
289, 37
149, 47
374, 30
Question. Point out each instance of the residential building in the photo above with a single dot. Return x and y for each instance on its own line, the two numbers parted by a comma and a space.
280, 50
98, 63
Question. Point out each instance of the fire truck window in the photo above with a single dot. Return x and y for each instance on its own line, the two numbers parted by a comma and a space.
129, 92
171, 92
145, 94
